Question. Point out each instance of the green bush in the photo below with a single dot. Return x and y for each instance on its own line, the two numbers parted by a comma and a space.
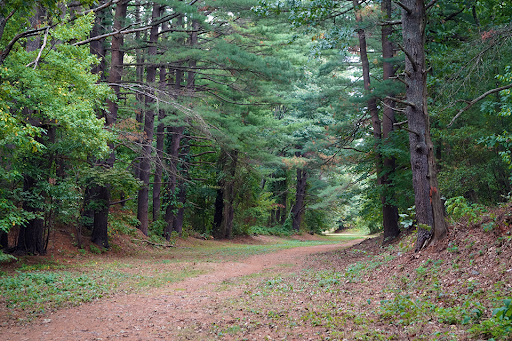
281, 231
94, 249
458, 208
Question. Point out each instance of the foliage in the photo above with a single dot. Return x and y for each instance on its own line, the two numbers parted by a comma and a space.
40, 291
281, 231
458, 208
6, 257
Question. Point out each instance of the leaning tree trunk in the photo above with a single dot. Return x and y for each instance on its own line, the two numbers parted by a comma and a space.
429, 212
149, 119
389, 210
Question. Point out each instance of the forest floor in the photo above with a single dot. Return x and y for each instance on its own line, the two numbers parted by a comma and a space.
260, 288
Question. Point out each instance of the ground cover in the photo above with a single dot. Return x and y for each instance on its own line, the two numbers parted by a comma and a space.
265, 288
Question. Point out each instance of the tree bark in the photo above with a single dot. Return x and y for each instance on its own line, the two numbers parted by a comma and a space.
229, 195
389, 211
429, 213
101, 194
101, 198
160, 137
145, 165
224, 210
300, 195
284, 202
30, 238
173, 154
116, 63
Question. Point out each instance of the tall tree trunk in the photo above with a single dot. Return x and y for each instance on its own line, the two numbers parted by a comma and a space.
429, 208
224, 211
30, 237
176, 135
160, 136
145, 165
139, 76
4, 240
182, 193
283, 201
101, 194
217, 229
300, 195
101, 197
389, 211
182, 187
116, 63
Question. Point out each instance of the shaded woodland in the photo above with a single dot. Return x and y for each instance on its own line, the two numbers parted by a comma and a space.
224, 118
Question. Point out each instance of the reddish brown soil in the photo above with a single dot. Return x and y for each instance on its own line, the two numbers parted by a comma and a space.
163, 313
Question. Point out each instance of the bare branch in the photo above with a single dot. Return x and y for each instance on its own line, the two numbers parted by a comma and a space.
401, 101
357, 150
231, 102
390, 23
400, 126
407, 9
409, 57
479, 98
203, 153
36, 61
390, 107
17, 37
121, 31
3, 21
120, 201
99, 8
430, 4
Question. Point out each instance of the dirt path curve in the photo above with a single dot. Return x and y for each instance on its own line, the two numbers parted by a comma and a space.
162, 313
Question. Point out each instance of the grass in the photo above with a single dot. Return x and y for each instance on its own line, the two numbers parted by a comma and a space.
35, 289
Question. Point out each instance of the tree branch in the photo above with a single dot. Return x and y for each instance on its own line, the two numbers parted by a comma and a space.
17, 37
390, 23
401, 101
479, 98
36, 61
203, 153
407, 9
430, 4
120, 201
409, 57
400, 126
3, 21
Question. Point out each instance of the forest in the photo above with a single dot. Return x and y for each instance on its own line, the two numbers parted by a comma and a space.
212, 120
225, 118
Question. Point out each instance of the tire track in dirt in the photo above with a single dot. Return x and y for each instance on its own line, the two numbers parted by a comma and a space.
162, 313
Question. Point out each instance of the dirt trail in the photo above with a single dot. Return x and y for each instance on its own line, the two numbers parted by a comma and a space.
168, 313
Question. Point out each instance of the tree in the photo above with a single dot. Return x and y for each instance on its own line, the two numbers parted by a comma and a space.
49, 96
429, 208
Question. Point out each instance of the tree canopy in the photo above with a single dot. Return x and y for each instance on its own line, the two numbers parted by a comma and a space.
221, 118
